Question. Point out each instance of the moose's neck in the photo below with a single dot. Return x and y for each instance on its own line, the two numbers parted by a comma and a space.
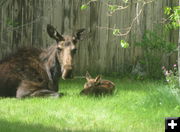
50, 62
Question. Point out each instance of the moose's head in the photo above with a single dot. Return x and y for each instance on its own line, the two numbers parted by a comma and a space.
66, 49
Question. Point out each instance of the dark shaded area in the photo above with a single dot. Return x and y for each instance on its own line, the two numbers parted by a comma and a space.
6, 126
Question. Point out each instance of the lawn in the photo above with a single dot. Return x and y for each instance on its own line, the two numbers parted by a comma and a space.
136, 106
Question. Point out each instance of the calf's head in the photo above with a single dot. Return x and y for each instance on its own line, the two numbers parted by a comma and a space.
66, 49
92, 82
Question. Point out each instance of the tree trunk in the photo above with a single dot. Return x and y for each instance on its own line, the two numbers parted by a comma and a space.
179, 53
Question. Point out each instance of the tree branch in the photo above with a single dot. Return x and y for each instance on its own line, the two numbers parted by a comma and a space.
128, 29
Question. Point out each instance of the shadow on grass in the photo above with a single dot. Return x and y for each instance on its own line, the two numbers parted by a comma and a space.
6, 126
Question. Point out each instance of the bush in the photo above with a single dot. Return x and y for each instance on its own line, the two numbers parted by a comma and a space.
155, 48
171, 76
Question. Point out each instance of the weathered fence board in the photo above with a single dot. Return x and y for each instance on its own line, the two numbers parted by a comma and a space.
23, 23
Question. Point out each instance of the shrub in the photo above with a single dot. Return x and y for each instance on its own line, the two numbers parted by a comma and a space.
155, 47
171, 76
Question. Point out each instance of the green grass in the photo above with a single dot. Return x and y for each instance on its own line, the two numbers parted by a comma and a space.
135, 107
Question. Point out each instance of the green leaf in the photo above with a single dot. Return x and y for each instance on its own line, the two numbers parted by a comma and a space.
167, 10
124, 44
113, 7
116, 32
125, 1
84, 6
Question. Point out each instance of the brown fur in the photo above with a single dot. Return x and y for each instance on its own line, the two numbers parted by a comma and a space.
35, 72
97, 86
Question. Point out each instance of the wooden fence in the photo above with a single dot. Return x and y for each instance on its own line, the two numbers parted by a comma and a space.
23, 22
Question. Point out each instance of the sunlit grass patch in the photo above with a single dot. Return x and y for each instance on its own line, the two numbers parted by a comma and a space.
135, 107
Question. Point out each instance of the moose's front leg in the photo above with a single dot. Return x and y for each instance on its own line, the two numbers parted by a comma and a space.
44, 93
54, 86
29, 88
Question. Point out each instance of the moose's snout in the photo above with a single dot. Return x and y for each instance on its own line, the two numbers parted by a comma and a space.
68, 67
67, 72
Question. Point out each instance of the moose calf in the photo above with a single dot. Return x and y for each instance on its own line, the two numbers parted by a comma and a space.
97, 86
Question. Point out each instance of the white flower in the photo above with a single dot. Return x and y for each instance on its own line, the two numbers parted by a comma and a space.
166, 73
174, 65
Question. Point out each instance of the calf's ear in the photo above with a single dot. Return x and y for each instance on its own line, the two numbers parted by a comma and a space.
98, 78
52, 32
88, 76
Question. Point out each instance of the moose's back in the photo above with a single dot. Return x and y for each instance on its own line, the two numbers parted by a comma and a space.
22, 65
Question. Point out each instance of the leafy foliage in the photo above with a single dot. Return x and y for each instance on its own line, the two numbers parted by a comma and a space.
167, 10
173, 17
124, 44
152, 41
125, 1
152, 44
116, 32
84, 6
171, 76
113, 8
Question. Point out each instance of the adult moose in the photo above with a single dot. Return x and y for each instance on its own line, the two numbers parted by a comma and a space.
35, 72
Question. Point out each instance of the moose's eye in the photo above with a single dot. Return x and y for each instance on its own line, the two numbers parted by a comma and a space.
74, 40
74, 51
59, 49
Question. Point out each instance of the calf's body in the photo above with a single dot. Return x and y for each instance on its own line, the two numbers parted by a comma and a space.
97, 86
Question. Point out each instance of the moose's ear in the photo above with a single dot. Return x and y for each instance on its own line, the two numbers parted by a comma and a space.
88, 76
98, 78
79, 33
53, 33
